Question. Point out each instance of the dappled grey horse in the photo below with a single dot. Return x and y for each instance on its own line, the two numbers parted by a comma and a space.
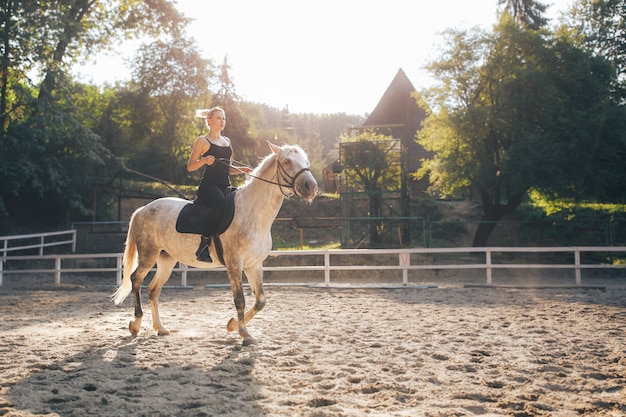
153, 238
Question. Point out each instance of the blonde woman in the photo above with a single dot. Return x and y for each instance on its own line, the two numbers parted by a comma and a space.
213, 152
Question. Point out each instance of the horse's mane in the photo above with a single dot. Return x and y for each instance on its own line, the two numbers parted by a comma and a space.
268, 161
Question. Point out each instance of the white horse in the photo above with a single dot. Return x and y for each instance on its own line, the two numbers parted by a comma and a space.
152, 238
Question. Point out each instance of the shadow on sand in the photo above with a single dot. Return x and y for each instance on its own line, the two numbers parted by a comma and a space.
139, 377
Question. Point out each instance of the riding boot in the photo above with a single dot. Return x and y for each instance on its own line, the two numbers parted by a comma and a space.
202, 254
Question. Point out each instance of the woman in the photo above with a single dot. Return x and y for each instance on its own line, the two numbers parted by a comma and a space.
212, 151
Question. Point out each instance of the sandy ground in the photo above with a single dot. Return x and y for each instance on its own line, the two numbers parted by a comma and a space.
446, 351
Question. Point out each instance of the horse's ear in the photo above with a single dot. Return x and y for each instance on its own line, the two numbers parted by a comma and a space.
275, 148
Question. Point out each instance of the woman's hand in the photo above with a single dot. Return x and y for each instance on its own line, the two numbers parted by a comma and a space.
210, 160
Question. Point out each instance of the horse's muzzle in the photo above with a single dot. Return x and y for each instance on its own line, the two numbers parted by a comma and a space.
305, 185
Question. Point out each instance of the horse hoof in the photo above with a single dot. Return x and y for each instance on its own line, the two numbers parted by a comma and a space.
134, 331
163, 332
247, 341
232, 325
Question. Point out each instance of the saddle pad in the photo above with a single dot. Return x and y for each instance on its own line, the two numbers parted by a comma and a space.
197, 219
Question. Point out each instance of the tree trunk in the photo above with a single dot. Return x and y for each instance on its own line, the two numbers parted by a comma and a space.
5, 61
493, 211
483, 232
72, 28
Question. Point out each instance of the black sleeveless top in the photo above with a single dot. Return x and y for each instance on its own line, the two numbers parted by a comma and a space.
218, 173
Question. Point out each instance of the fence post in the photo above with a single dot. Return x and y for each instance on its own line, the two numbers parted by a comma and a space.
118, 276
405, 261
577, 266
327, 268
488, 264
74, 240
1, 265
57, 270
41, 241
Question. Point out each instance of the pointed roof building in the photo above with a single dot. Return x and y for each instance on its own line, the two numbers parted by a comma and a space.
398, 114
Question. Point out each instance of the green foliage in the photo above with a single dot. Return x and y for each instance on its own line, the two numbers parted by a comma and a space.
600, 28
551, 205
237, 126
370, 162
516, 110
521, 109
49, 153
548, 221
169, 77
47, 165
529, 13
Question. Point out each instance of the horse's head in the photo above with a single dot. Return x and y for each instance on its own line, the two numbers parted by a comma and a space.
294, 171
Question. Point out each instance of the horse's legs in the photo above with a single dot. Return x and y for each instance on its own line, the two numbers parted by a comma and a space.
234, 276
165, 264
255, 279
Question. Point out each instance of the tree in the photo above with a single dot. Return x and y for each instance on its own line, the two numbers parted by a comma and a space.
169, 75
22, 23
47, 164
47, 154
46, 37
368, 162
91, 25
600, 28
518, 109
527, 12
237, 127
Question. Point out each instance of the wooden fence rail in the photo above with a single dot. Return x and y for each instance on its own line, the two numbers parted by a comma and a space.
41, 241
487, 261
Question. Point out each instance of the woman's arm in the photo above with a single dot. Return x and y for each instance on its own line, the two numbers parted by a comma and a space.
196, 161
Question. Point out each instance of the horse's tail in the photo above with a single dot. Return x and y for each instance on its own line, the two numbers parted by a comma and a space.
129, 261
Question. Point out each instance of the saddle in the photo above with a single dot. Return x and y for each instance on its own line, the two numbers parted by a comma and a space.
201, 220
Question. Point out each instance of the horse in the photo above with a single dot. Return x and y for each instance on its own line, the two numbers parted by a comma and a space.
152, 238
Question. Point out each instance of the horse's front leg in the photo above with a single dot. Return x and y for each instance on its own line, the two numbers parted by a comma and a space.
255, 279
234, 276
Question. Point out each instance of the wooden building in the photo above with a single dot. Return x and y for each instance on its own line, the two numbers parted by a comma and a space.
398, 114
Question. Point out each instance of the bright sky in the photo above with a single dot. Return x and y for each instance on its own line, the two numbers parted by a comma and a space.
320, 56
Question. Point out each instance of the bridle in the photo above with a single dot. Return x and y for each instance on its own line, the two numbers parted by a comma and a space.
291, 181
281, 173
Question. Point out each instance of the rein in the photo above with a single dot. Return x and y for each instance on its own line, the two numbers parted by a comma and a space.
283, 174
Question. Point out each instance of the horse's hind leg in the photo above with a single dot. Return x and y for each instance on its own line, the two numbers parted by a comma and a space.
165, 264
255, 279
137, 278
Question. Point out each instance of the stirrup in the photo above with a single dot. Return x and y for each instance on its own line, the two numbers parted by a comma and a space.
203, 252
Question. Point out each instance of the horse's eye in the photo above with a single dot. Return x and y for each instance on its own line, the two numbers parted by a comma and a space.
287, 161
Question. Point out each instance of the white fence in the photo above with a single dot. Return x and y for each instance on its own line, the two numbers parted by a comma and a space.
38, 241
490, 261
